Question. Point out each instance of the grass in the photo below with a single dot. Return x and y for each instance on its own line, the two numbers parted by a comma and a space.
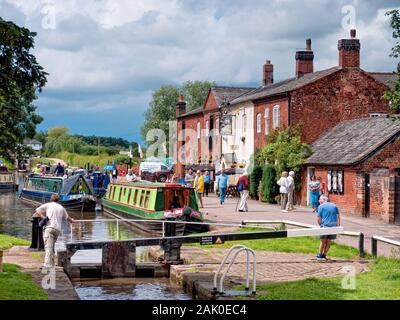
15, 285
293, 245
7, 242
381, 283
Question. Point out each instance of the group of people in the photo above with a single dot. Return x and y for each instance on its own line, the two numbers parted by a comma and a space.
286, 189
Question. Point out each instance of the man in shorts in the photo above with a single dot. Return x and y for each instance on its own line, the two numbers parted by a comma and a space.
328, 217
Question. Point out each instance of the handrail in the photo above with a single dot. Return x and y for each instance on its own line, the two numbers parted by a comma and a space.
374, 244
239, 248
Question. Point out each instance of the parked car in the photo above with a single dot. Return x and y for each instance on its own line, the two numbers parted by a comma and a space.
154, 171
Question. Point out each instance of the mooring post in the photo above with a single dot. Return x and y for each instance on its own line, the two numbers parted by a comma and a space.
119, 259
374, 247
361, 245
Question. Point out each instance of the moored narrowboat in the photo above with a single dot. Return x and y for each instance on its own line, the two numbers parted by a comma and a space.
74, 192
7, 179
157, 202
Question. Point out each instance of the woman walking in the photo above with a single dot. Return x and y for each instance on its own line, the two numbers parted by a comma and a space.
314, 186
283, 189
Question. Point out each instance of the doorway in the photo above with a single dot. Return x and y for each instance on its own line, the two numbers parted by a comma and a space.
367, 185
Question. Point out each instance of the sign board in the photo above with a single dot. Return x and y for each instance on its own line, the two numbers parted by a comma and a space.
226, 125
208, 240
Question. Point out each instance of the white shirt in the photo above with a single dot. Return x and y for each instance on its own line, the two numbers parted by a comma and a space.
56, 214
283, 183
290, 183
130, 178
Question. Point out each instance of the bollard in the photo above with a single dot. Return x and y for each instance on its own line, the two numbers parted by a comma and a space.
374, 247
37, 234
361, 245
1, 261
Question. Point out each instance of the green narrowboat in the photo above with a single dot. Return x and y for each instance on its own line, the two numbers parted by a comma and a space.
144, 200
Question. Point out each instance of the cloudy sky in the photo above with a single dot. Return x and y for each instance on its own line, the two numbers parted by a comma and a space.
105, 57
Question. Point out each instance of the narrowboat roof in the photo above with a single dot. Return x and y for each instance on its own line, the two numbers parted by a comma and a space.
67, 184
148, 184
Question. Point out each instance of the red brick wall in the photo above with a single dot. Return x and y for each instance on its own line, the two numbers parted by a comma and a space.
346, 94
260, 139
210, 103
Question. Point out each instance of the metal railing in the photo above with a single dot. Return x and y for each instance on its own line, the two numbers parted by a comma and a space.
283, 222
163, 222
238, 248
374, 244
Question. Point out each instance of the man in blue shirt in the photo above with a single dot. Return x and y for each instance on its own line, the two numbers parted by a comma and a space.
222, 183
328, 217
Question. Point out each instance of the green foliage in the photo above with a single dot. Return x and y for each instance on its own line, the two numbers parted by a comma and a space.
381, 283
195, 93
163, 103
20, 77
15, 285
7, 242
269, 187
285, 150
78, 160
393, 95
255, 178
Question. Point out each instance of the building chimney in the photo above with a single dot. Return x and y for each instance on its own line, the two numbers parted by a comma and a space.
349, 51
305, 60
268, 73
180, 106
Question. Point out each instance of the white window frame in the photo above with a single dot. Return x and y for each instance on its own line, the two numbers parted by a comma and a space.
217, 126
258, 122
276, 117
198, 130
207, 129
244, 123
266, 120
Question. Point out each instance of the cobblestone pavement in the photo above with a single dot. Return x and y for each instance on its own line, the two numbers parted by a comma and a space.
271, 266
263, 211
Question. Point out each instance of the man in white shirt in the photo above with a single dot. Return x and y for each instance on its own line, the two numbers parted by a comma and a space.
290, 185
55, 214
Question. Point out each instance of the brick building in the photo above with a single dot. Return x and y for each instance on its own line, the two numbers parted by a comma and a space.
359, 165
203, 143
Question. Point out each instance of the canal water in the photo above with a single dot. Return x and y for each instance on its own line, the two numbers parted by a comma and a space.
15, 219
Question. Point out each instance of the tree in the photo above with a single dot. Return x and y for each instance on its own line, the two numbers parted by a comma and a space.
285, 151
269, 187
255, 178
57, 132
195, 93
393, 95
163, 103
20, 77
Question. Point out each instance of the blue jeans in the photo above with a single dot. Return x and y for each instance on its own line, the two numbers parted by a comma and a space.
222, 192
314, 197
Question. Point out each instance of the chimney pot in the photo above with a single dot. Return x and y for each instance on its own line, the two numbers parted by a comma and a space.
353, 33
349, 51
308, 44
180, 106
268, 73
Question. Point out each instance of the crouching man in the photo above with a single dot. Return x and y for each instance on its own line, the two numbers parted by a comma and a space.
55, 214
328, 217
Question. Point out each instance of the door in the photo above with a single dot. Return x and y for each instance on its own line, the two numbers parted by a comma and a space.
367, 196
397, 200
310, 173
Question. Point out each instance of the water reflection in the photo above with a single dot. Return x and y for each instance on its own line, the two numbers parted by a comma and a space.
129, 289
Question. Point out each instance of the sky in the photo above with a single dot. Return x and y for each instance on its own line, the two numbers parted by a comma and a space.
106, 57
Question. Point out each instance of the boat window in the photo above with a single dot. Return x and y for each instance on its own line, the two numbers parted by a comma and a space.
113, 194
147, 199
175, 199
142, 194
120, 194
129, 196
135, 196
110, 192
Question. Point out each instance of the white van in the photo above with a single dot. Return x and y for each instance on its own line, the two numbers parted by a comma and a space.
152, 167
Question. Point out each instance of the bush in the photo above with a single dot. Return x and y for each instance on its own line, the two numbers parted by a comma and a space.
269, 187
255, 178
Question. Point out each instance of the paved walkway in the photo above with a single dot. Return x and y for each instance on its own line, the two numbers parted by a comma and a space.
271, 266
263, 211
30, 262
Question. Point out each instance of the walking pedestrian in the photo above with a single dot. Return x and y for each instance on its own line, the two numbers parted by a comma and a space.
54, 213
189, 178
198, 185
243, 186
291, 188
283, 190
328, 217
207, 181
222, 184
314, 187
